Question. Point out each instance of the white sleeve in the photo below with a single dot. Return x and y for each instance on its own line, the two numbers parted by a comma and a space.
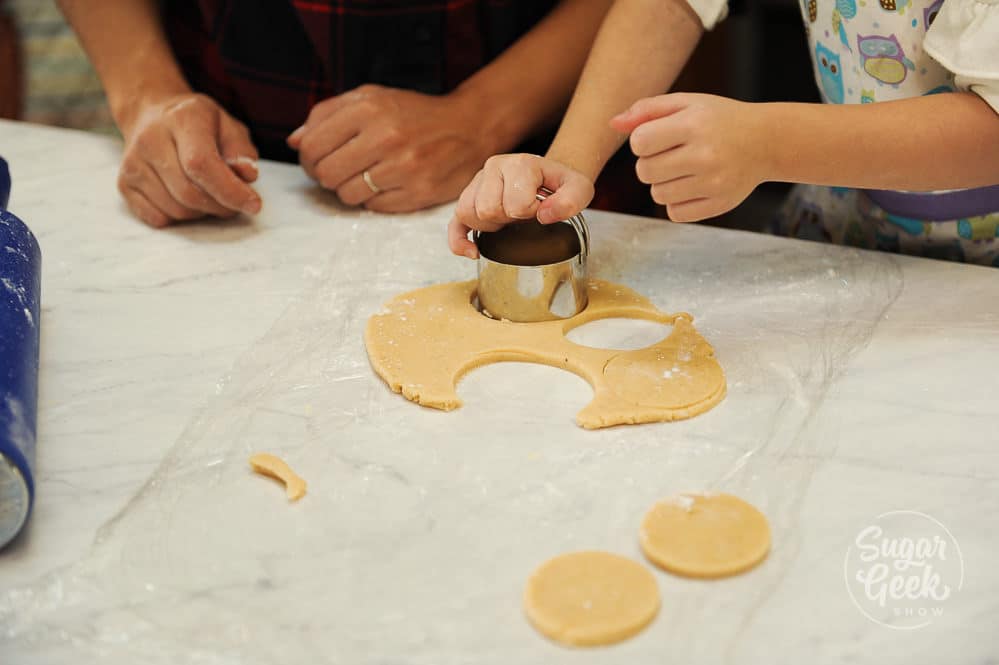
711, 12
964, 38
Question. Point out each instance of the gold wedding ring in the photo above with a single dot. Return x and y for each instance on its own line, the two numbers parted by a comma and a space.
375, 189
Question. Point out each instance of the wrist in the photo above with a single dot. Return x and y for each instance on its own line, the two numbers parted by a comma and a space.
777, 148
499, 121
587, 163
128, 102
584, 142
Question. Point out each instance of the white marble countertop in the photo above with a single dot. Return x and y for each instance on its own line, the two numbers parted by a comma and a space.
859, 384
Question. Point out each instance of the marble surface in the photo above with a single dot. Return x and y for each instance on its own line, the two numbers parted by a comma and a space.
859, 384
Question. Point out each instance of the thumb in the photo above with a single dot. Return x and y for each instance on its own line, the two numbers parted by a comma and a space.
237, 149
572, 192
647, 109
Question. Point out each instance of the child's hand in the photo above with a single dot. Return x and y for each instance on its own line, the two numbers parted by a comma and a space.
702, 154
506, 189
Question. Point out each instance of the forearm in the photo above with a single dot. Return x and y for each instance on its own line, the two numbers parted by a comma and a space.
640, 50
126, 44
946, 141
527, 88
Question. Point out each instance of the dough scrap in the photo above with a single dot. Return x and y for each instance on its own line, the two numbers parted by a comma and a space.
591, 598
705, 535
268, 465
424, 341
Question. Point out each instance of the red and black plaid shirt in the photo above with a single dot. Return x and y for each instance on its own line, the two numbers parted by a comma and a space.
269, 61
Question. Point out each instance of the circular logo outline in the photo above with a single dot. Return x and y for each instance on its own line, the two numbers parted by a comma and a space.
846, 561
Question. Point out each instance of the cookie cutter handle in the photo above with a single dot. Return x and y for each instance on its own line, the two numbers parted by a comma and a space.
576, 221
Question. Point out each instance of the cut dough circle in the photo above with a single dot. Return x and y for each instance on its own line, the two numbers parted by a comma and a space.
664, 375
705, 535
424, 341
591, 598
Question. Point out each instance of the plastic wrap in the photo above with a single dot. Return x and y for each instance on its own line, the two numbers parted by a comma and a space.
420, 527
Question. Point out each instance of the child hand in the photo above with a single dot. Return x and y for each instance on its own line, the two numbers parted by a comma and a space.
702, 154
506, 189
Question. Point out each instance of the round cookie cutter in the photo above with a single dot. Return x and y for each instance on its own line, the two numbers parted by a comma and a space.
533, 272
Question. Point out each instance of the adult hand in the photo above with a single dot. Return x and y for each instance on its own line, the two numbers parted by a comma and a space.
702, 154
506, 190
185, 158
418, 150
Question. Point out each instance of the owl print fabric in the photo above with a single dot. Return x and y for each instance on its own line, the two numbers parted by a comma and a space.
871, 50
867, 51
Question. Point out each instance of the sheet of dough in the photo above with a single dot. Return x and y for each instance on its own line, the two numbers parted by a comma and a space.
591, 598
424, 341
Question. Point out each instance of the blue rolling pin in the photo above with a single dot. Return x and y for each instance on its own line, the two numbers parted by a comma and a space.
20, 287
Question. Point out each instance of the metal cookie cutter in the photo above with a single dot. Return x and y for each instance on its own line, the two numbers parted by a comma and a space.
533, 272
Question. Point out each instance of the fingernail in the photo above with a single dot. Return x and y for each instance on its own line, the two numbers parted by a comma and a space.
253, 206
295, 134
545, 215
242, 159
471, 253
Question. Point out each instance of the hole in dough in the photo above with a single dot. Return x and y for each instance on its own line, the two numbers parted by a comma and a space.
619, 333
534, 392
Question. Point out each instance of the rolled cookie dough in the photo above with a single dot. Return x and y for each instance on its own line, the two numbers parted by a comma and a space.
422, 342
705, 535
591, 598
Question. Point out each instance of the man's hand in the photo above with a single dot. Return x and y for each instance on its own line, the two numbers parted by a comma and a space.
702, 154
419, 150
506, 190
185, 158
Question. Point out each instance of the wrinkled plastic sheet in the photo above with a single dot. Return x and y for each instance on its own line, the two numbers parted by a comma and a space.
420, 528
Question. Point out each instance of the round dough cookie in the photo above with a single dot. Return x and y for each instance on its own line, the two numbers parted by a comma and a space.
705, 535
591, 598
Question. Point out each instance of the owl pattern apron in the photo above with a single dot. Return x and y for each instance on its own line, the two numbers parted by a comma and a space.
867, 51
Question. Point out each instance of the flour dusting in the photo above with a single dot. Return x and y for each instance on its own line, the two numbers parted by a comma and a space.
15, 250
684, 501
22, 297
